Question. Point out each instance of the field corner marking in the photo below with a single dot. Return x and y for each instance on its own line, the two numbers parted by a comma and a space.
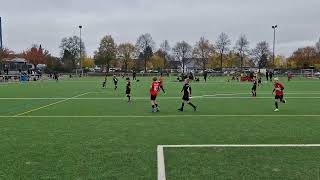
161, 164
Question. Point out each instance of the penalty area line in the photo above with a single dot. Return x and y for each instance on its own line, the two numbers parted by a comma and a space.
160, 151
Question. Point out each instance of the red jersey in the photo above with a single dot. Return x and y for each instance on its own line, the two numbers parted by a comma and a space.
154, 89
278, 87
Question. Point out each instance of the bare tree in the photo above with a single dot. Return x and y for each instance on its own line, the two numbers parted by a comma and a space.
222, 45
261, 54
318, 46
183, 52
202, 51
165, 47
242, 48
145, 45
106, 53
72, 46
126, 53
165, 51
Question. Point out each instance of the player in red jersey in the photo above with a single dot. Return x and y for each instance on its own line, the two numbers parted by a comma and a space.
154, 89
278, 89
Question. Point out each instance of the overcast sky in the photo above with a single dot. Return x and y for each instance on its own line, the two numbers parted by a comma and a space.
46, 22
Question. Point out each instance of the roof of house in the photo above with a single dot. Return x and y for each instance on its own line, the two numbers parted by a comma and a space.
18, 60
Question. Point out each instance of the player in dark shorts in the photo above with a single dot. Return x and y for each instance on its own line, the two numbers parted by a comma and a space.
259, 81
278, 89
154, 89
134, 76
187, 94
128, 90
115, 82
104, 83
56, 76
254, 88
161, 83
205, 75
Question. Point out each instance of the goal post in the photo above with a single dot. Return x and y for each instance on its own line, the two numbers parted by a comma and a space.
307, 73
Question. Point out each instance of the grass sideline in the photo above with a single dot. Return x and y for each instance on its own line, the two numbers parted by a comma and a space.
98, 135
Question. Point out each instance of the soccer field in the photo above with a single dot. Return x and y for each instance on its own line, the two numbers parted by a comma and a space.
74, 129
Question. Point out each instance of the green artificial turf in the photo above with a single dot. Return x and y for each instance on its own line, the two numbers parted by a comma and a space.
100, 136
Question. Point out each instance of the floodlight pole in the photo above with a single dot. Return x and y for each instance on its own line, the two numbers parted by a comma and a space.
1, 45
274, 43
80, 30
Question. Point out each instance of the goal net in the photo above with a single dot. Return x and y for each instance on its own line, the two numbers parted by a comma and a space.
307, 73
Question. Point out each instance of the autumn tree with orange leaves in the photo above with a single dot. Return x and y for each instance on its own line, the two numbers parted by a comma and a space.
6, 53
36, 55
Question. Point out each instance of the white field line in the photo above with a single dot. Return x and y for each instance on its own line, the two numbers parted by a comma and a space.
160, 154
146, 98
51, 104
161, 164
214, 96
169, 116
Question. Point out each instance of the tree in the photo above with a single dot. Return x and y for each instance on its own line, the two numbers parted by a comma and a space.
88, 62
304, 58
71, 45
214, 61
106, 53
36, 55
318, 46
279, 61
183, 52
68, 61
202, 51
261, 54
126, 53
157, 62
164, 51
222, 45
6, 53
165, 47
231, 60
145, 45
242, 48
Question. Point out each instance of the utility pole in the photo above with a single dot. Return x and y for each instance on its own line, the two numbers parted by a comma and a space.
80, 28
1, 45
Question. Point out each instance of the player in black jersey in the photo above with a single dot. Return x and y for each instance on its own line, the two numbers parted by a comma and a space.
187, 94
104, 84
254, 88
115, 82
128, 90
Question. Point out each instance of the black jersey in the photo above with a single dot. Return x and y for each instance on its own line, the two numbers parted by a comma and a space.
128, 87
254, 86
186, 90
115, 80
254, 83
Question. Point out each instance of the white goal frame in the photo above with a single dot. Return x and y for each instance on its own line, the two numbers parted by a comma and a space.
308, 73
160, 153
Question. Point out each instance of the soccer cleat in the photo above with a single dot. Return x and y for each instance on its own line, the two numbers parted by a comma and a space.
195, 109
276, 110
181, 110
